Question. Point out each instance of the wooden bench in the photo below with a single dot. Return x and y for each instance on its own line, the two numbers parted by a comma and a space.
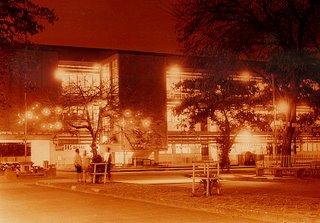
295, 171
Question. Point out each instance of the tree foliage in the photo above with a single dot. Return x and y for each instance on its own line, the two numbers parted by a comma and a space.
229, 102
254, 29
140, 131
270, 37
90, 107
20, 19
96, 109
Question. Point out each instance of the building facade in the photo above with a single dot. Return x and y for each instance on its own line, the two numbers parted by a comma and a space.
31, 127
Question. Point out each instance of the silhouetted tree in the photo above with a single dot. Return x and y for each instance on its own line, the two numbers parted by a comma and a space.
19, 20
90, 107
140, 131
271, 37
229, 102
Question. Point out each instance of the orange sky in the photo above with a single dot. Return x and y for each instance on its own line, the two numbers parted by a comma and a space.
142, 25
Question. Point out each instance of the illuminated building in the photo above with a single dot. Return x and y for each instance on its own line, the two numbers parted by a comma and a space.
145, 83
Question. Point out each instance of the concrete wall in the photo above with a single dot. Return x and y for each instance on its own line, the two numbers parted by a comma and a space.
40, 151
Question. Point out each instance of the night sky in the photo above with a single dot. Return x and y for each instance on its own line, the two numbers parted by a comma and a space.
143, 25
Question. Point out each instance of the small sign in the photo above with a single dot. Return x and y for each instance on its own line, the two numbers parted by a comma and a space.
69, 147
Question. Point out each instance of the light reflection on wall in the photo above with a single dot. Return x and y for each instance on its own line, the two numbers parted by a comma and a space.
246, 141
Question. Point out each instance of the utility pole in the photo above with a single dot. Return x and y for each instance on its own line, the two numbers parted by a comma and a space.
275, 134
25, 123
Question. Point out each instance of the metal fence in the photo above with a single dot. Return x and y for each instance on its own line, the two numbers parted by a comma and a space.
289, 161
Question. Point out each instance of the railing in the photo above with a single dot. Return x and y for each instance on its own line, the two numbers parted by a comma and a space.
289, 161
13, 159
297, 165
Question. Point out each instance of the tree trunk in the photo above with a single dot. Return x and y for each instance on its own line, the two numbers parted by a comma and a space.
94, 148
290, 122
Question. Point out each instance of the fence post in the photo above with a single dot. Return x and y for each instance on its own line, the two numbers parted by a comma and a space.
208, 180
105, 173
218, 169
94, 173
193, 176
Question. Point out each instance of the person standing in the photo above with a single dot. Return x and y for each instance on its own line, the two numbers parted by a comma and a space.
85, 165
108, 159
78, 165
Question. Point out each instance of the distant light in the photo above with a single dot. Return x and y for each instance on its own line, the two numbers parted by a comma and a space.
29, 115
97, 66
245, 76
104, 69
46, 111
245, 136
127, 113
58, 125
283, 107
174, 70
58, 110
146, 123
59, 73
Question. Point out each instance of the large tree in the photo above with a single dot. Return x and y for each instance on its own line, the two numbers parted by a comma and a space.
90, 107
96, 109
230, 102
272, 37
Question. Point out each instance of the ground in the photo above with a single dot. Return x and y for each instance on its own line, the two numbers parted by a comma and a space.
264, 199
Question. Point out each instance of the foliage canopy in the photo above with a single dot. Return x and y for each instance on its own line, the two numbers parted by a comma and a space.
278, 38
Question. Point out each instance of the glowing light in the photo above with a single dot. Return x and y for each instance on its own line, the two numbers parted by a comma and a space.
245, 136
29, 115
58, 125
245, 76
97, 66
174, 70
146, 123
46, 111
35, 106
104, 69
127, 113
59, 73
58, 110
283, 107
